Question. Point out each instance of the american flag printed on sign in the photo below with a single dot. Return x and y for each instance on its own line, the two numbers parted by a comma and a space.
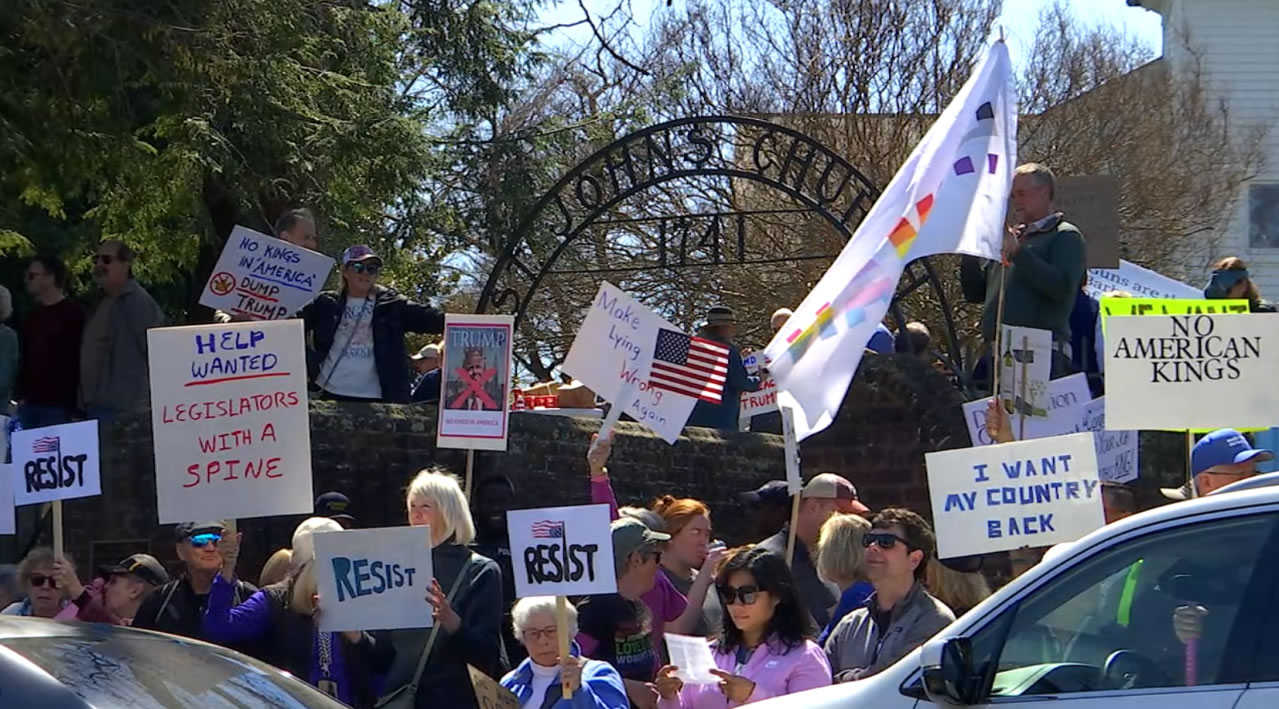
48, 444
691, 366
548, 530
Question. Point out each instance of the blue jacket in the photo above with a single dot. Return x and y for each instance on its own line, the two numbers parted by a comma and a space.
601, 687
723, 415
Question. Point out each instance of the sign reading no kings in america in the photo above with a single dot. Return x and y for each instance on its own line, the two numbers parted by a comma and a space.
1189, 371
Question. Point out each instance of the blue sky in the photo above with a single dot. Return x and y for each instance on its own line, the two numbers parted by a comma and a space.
1019, 19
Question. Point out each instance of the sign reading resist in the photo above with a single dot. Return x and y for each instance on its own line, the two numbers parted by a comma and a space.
1189, 371
1023, 494
374, 579
562, 551
56, 463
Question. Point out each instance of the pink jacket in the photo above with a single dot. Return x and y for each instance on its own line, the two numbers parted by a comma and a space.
774, 675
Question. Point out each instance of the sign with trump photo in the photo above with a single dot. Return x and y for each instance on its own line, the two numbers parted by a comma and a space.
475, 396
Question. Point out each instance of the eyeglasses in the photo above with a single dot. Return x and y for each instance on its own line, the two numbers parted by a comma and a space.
200, 541
369, 268
32, 275
746, 594
885, 540
535, 634
42, 580
104, 259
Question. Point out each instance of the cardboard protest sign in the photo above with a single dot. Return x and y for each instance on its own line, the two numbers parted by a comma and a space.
562, 551
56, 463
1025, 366
1116, 450
1181, 372
1110, 307
614, 345
264, 278
7, 525
229, 417
1014, 495
1091, 202
374, 579
475, 399
759, 402
489, 694
1065, 396
1138, 281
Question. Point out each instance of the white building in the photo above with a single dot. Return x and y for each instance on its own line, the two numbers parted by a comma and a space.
1237, 43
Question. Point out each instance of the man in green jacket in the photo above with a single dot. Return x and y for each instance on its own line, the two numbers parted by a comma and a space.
1044, 257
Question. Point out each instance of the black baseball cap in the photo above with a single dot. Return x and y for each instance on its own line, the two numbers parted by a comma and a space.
773, 492
144, 566
186, 530
334, 505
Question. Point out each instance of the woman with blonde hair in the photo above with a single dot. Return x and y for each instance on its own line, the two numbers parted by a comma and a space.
465, 599
36, 578
346, 666
841, 560
276, 568
957, 582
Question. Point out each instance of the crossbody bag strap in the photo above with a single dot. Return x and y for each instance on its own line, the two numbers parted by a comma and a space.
435, 629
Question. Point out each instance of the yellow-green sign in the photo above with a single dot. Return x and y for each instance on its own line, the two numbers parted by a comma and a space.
1167, 306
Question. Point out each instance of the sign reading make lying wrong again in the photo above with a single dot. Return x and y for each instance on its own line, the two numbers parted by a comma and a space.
1192, 371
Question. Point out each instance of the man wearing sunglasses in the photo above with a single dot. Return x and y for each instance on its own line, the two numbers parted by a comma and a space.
113, 351
357, 334
900, 615
178, 606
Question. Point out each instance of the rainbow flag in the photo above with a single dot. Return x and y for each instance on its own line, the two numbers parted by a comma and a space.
950, 197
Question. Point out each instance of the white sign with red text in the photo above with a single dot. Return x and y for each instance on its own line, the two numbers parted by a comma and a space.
759, 402
230, 421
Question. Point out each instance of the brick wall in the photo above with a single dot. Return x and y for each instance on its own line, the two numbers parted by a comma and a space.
897, 409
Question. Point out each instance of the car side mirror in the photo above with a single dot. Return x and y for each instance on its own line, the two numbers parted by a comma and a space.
949, 675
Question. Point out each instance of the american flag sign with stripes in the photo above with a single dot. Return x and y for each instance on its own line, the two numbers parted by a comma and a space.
692, 366
548, 530
48, 444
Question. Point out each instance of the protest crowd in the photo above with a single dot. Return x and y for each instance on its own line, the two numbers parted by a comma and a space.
831, 587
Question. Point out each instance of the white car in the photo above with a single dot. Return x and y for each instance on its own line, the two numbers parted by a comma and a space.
1091, 626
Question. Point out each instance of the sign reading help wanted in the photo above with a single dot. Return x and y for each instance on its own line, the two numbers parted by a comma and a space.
374, 579
614, 346
261, 278
56, 463
1183, 372
1023, 494
230, 422
562, 551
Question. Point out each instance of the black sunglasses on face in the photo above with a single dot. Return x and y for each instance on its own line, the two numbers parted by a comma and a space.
42, 580
369, 268
745, 594
885, 540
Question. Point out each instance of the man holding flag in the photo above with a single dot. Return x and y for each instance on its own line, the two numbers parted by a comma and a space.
949, 197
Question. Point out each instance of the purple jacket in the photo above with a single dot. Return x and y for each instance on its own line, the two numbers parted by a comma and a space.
774, 675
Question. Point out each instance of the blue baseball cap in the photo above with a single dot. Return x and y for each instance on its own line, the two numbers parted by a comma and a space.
1224, 446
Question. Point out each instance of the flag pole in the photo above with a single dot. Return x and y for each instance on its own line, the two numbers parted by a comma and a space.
999, 328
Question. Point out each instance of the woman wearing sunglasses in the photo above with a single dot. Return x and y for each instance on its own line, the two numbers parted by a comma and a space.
763, 649
357, 334
45, 597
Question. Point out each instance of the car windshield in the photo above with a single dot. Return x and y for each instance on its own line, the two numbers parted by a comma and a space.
142, 670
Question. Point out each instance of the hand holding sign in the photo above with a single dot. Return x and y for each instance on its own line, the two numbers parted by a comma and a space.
441, 610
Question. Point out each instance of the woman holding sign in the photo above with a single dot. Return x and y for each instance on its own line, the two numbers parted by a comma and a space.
763, 650
465, 600
284, 615
537, 680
